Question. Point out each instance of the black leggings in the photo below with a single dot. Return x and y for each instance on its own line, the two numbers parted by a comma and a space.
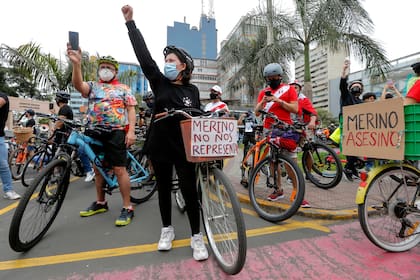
187, 184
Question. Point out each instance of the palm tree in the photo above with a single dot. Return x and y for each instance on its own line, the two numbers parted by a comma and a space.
335, 24
47, 72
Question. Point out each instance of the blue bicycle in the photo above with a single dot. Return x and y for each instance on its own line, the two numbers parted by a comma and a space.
44, 197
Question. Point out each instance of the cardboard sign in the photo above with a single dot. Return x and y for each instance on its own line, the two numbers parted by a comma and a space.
374, 129
206, 139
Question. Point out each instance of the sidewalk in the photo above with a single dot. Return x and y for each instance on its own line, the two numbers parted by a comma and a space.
335, 203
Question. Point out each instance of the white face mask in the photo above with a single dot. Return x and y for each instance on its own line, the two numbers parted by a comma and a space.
105, 74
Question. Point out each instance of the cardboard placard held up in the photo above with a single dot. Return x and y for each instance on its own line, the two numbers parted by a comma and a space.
374, 129
207, 139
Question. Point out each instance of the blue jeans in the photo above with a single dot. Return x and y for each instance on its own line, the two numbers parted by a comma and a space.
6, 176
87, 166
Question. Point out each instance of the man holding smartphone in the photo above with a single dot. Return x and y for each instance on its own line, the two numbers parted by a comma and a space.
280, 99
110, 108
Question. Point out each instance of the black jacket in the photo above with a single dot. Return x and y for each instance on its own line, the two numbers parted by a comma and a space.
165, 142
346, 97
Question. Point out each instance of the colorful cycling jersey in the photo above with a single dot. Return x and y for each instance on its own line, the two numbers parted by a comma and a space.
108, 103
284, 92
414, 91
216, 106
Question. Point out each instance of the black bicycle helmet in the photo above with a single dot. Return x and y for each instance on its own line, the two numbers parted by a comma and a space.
183, 55
108, 59
272, 69
62, 97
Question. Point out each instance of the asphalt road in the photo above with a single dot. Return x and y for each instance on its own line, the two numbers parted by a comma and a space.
93, 248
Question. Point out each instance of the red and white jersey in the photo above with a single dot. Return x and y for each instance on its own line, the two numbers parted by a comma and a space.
284, 92
216, 106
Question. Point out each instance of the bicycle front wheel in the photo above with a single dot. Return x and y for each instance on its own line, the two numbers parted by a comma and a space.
280, 176
37, 161
222, 219
16, 163
387, 216
322, 166
39, 206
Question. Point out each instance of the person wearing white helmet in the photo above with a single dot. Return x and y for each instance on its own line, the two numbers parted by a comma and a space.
216, 104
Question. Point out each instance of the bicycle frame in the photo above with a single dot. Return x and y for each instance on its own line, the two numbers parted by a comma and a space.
85, 142
260, 151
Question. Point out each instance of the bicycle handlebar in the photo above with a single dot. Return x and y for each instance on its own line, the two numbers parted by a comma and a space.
71, 123
186, 112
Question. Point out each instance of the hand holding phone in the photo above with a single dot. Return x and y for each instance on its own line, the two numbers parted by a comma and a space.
389, 82
267, 93
74, 40
51, 106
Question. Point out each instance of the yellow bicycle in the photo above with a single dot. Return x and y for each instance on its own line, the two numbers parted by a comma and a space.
389, 206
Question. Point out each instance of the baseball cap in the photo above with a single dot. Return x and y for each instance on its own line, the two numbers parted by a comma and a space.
217, 89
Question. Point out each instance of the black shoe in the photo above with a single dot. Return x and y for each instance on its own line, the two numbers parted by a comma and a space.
93, 209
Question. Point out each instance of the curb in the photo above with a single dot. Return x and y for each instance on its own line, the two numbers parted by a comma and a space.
346, 214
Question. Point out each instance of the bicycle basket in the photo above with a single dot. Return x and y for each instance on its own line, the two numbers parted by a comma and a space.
22, 134
208, 139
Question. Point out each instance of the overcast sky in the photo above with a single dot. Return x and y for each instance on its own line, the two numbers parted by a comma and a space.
102, 30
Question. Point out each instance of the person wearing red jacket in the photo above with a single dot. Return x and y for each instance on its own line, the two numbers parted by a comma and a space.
306, 111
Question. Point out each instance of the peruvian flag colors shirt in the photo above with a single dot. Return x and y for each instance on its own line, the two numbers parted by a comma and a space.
284, 92
216, 106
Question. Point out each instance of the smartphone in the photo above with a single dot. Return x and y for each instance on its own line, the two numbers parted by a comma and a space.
51, 106
74, 40
389, 82
268, 93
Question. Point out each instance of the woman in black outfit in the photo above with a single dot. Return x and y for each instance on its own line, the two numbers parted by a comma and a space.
172, 90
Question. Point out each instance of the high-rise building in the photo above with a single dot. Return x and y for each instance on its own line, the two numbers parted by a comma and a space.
325, 66
201, 44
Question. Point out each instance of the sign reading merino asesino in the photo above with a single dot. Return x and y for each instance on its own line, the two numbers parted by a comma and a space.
374, 129
214, 137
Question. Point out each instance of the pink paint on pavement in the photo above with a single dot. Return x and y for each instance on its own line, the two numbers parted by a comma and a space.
344, 254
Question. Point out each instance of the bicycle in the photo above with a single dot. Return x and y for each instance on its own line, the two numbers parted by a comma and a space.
43, 154
271, 174
145, 192
19, 155
253, 153
220, 208
321, 164
40, 204
389, 206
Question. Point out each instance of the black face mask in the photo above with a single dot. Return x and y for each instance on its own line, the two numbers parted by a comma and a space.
213, 95
274, 83
356, 90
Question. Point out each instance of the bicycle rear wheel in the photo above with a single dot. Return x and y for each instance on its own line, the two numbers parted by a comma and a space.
279, 174
322, 166
222, 219
141, 190
37, 161
39, 206
388, 217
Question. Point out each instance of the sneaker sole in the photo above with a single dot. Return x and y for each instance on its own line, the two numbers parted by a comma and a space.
122, 223
275, 199
91, 213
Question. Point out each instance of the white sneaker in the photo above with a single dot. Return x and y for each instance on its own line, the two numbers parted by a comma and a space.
11, 195
90, 176
167, 235
199, 248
